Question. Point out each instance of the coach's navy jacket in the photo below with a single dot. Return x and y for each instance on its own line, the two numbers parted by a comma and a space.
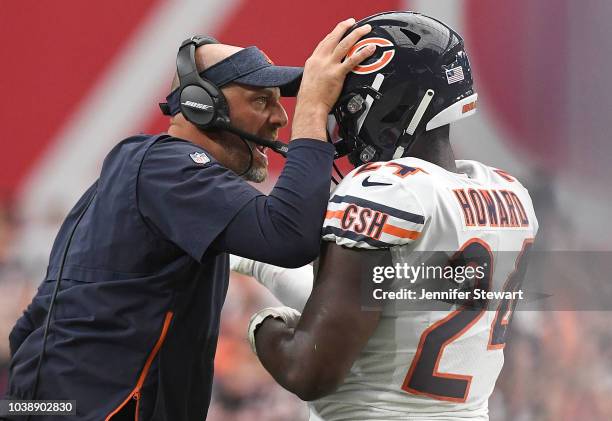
136, 320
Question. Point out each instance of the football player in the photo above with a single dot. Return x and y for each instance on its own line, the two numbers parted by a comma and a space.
406, 198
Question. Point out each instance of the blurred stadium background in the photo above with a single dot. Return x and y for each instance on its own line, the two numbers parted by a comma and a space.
77, 77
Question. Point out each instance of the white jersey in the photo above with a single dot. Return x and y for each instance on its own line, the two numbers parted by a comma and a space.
423, 363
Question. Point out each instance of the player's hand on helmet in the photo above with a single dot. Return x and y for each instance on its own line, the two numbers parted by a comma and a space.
324, 74
326, 69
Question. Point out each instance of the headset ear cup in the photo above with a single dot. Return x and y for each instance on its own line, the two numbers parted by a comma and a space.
201, 101
198, 106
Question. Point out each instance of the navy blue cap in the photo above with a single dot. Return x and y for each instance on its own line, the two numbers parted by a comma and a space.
249, 66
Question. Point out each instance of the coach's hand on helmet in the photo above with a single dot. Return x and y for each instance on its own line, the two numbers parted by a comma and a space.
324, 74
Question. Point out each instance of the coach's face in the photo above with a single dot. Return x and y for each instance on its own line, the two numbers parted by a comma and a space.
257, 111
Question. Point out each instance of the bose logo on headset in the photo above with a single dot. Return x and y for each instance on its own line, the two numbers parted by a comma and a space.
197, 105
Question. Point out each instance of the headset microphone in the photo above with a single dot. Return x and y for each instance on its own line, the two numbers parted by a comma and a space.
277, 146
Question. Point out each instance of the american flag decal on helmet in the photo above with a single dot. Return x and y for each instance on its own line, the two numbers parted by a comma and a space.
454, 75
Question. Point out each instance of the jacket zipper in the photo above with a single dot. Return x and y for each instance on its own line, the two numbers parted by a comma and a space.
136, 392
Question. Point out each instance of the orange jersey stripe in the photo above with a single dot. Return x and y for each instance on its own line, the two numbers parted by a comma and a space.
334, 214
388, 229
400, 232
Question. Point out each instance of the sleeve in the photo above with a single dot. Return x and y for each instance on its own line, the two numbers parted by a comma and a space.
291, 287
33, 317
21, 331
284, 228
375, 216
187, 196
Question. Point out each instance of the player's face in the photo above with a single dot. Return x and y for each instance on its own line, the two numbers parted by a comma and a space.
257, 111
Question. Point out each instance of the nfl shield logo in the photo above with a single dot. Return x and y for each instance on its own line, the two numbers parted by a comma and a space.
199, 157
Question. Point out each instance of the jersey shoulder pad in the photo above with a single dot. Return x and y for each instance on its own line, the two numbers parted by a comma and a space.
504, 177
373, 208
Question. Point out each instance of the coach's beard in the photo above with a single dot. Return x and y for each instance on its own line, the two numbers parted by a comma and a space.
256, 174
258, 171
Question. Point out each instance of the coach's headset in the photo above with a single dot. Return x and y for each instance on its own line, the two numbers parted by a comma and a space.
203, 104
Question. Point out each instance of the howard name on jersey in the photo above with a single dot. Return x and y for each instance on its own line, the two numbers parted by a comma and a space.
423, 363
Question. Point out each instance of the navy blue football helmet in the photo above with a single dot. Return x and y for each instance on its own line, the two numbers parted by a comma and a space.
418, 79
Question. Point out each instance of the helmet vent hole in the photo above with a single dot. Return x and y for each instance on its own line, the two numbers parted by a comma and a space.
412, 36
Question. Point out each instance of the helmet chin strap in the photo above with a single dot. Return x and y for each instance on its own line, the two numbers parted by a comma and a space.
414, 123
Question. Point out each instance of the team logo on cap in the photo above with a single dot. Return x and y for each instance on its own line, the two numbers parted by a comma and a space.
199, 157
267, 58
382, 61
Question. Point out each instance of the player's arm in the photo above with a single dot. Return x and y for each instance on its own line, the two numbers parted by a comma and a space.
291, 287
312, 359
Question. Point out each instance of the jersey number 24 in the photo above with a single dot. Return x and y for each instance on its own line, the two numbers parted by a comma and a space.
423, 377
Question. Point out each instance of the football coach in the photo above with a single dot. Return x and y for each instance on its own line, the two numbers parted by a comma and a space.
126, 320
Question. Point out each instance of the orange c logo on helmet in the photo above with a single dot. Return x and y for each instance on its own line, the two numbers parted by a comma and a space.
382, 61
